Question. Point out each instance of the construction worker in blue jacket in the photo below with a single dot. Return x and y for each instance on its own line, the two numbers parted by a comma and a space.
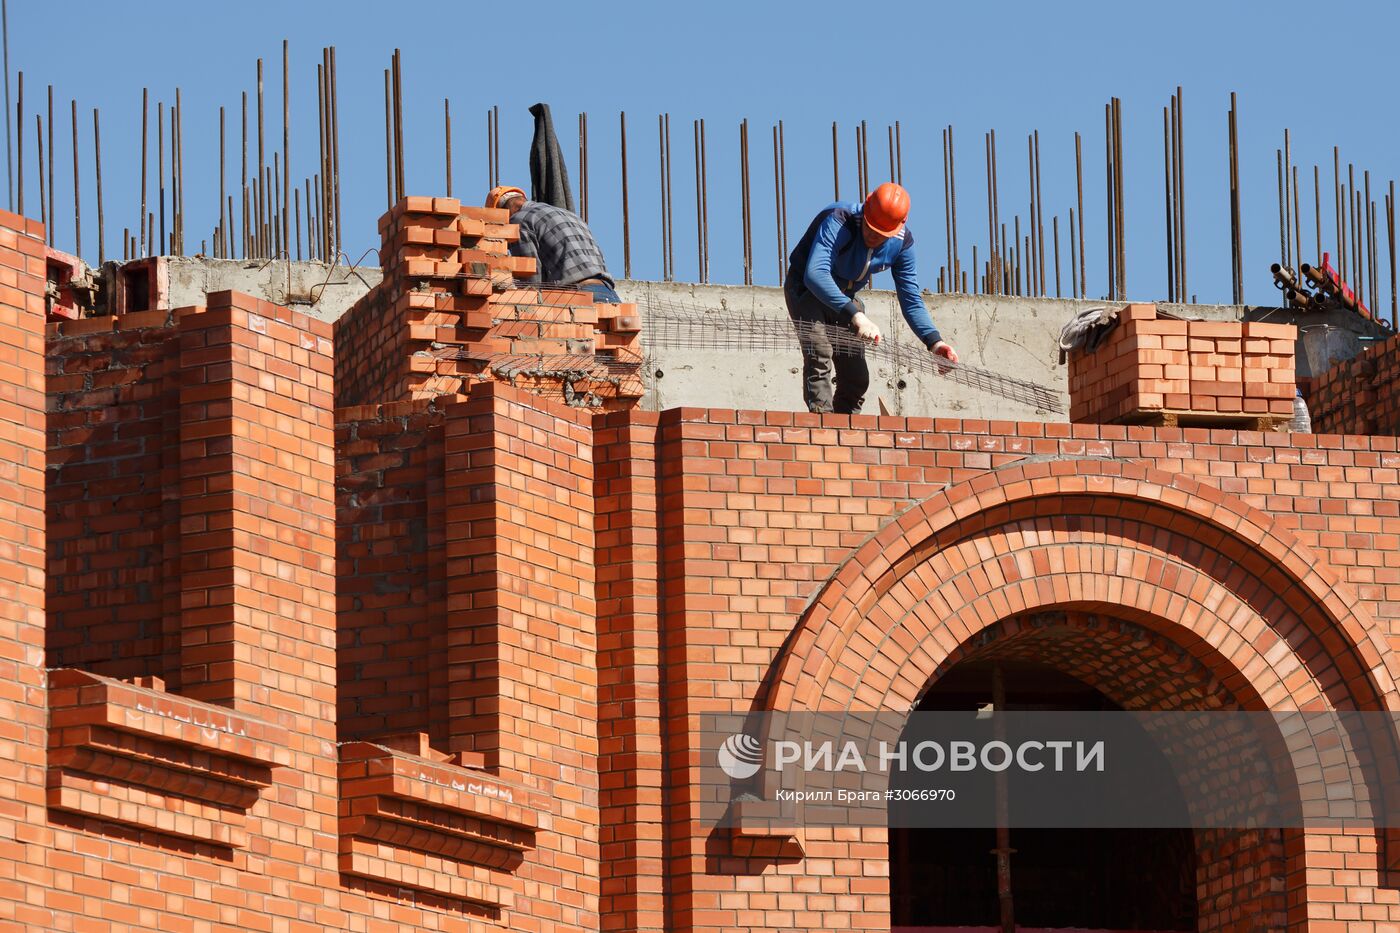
842, 249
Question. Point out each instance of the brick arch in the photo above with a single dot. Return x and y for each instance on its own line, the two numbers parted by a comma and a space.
1228, 540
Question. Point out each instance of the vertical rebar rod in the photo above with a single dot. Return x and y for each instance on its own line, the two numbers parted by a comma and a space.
977, 287
782, 165
1297, 222
1390, 233
1040, 219
1337, 207
864, 160
699, 223
278, 216
1287, 205
53, 218
999, 260
263, 206
1120, 224
898, 156
991, 222
1030, 215
860, 167
705, 201
670, 205
947, 204
286, 145
777, 204
1282, 229
1016, 252
398, 137
159, 248
97, 164
1055, 231
313, 218
626, 220
835, 165
889, 131
310, 233
661, 187
583, 175
222, 251
953, 197
747, 208
388, 152
490, 164
9, 151
1073, 270
1079, 185
296, 218
1108, 175
19, 146
1170, 210
1354, 246
1317, 211
39, 142
247, 230
495, 139
1233, 185
1238, 198
335, 149
177, 158
1368, 267
447, 142
1180, 186
77, 199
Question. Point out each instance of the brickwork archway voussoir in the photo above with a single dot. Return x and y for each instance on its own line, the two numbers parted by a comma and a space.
1100, 489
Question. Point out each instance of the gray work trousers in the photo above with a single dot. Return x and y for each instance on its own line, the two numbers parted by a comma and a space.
819, 363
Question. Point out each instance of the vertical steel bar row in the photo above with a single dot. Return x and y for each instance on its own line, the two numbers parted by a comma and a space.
626, 225
1282, 229
745, 190
296, 220
286, 145
77, 199
495, 139
177, 162
447, 142
310, 226
1232, 148
1170, 209
1040, 219
1390, 231
97, 164
490, 163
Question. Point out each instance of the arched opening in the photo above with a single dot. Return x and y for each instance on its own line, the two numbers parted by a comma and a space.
1140, 878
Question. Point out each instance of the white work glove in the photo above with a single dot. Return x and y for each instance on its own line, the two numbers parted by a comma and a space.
865, 328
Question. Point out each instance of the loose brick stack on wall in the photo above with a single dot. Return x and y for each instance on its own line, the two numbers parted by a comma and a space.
453, 309
1360, 395
1151, 367
441, 662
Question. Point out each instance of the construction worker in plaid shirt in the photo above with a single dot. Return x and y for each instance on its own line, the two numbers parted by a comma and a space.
562, 244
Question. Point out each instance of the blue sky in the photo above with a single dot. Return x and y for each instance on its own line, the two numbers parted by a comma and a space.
1015, 66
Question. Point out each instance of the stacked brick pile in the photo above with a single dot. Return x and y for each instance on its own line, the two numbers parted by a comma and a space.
1359, 395
1152, 368
450, 312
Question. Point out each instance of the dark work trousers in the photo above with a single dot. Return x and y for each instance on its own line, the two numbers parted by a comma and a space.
819, 364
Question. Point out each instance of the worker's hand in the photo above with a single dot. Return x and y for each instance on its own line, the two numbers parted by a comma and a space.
865, 328
945, 350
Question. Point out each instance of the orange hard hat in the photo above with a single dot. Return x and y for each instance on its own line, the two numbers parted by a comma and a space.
498, 194
886, 209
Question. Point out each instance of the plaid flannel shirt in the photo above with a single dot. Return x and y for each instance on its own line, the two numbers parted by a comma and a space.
561, 242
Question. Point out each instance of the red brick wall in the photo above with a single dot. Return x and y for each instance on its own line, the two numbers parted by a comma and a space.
113, 465
1359, 395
